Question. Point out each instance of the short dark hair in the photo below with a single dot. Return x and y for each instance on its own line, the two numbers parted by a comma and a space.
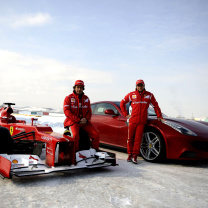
143, 89
76, 85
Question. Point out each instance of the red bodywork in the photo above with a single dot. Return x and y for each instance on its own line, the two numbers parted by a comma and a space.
5, 167
113, 131
59, 148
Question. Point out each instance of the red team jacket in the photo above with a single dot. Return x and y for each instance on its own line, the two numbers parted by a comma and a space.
72, 109
140, 104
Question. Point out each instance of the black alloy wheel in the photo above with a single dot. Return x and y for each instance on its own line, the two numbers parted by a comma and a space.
152, 146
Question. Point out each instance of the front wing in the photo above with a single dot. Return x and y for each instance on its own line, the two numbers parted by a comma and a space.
28, 165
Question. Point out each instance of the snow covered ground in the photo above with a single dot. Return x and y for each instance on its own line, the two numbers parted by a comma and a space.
180, 184
145, 185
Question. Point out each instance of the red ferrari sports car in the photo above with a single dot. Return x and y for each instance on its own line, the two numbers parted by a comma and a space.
173, 138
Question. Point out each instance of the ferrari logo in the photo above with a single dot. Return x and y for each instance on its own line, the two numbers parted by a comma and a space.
134, 96
11, 130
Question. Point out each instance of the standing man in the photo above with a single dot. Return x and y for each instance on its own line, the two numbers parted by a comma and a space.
140, 100
78, 114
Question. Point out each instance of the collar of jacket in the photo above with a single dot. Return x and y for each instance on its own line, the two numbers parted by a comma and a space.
137, 92
77, 96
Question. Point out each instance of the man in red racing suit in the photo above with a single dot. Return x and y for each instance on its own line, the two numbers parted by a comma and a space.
140, 100
78, 115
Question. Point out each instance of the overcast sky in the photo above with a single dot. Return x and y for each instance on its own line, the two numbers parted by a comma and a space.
45, 45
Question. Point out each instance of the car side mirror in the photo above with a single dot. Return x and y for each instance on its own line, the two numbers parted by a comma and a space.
109, 112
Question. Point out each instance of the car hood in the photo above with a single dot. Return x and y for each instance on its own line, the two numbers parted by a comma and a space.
200, 129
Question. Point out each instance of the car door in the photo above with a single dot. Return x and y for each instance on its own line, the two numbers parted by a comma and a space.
123, 126
123, 132
106, 125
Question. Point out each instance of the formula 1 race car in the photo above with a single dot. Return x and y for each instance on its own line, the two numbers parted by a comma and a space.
22, 144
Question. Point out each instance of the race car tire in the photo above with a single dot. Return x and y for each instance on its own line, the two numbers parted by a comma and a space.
6, 141
153, 146
84, 141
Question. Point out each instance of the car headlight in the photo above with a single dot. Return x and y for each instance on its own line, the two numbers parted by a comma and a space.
179, 128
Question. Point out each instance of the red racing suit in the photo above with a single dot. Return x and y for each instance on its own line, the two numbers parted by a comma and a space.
76, 108
72, 109
139, 115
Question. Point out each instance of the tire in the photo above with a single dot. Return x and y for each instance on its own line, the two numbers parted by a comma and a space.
152, 146
6, 141
84, 141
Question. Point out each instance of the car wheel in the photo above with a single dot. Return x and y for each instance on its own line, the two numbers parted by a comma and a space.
6, 141
152, 146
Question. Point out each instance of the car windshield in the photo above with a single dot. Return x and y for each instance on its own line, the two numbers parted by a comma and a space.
118, 104
151, 111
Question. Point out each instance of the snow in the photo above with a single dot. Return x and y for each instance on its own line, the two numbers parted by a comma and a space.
180, 184
120, 202
28, 109
54, 120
